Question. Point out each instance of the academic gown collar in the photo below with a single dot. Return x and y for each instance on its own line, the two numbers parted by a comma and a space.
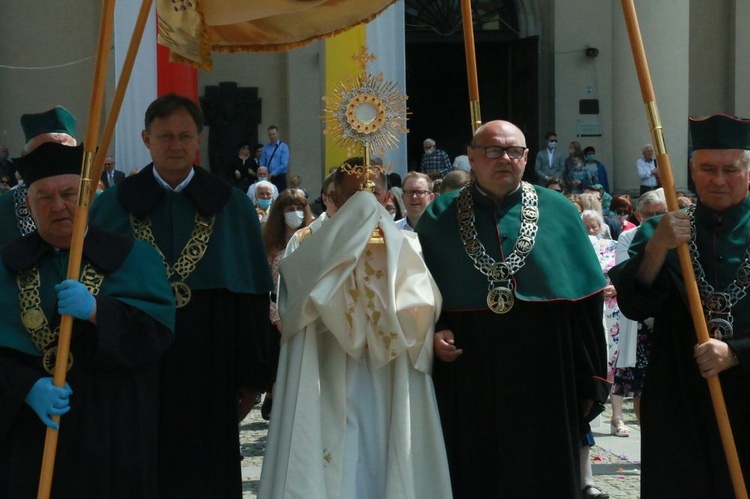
140, 193
732, 217
483, 199
105, 250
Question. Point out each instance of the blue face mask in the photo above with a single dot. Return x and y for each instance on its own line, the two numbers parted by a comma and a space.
590, 157
264, 203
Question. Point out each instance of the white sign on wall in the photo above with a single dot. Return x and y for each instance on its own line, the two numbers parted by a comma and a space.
589, 126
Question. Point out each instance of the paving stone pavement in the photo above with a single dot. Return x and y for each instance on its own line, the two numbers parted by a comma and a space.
614, 460
253, 430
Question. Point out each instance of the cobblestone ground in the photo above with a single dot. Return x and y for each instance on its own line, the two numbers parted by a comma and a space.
617, 474
252, 446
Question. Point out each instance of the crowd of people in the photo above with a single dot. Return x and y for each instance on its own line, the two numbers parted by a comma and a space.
448, 334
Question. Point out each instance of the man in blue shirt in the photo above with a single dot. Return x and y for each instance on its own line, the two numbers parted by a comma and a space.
275, 157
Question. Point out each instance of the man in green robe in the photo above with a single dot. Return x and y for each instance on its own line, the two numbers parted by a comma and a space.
520, 355
54, 125
123, 319
682, 453
208, 235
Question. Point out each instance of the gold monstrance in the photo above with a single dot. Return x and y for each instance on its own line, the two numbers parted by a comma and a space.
367, 112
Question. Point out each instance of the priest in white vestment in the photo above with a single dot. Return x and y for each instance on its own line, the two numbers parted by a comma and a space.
355, 414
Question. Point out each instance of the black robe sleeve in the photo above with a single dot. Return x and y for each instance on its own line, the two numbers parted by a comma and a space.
589, 349
636, 301
126, 335
639, 302
254, 344
16, 379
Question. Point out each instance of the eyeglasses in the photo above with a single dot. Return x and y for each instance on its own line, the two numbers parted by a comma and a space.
495, 152
183, 138
419, 193
623, 213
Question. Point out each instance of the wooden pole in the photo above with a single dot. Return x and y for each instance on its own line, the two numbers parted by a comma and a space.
471, 65
74, 265
89, 178
694, 300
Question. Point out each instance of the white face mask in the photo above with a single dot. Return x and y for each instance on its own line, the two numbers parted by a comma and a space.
429, 150
294, 219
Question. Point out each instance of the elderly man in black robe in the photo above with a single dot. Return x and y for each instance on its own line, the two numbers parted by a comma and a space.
682, 453
123, 318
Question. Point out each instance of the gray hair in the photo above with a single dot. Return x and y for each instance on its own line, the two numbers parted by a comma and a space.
652, 197
593, 214
262, 183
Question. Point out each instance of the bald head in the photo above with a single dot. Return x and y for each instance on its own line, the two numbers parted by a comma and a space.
56, 137
498, 128
497, 155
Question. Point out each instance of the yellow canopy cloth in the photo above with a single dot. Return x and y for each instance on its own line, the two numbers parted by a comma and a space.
192, 29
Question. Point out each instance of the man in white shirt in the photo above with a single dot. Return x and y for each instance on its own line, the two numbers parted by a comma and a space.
648, 171
417, 195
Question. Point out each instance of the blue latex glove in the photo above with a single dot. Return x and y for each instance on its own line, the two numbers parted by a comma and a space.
49, 400
73, 298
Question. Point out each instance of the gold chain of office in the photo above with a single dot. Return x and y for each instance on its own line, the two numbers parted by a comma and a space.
500, 292
717, 305
191, 253
33, 317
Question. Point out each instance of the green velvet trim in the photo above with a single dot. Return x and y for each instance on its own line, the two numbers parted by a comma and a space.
235, 258
153, 296
722, 241
562, 265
